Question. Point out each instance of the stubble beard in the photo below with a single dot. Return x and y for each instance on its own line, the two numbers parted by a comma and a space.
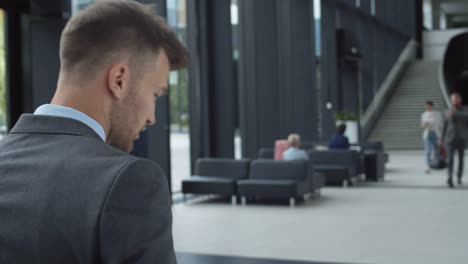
121, 133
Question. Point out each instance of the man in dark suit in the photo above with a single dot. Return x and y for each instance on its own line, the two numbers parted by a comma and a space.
339, 140
454, 136
69, 190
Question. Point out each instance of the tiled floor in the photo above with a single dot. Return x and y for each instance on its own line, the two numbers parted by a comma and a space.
412, 217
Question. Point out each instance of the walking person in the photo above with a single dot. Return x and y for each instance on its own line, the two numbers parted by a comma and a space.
454, 136
431, 122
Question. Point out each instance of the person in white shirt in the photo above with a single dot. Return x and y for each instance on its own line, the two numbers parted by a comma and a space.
431, 122
294, 152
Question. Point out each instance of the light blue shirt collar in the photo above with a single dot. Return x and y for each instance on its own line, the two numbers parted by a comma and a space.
63, 111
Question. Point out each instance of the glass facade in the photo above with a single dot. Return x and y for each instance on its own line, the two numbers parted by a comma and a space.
444, 14
427, 14
317, 18
78, 5
235, 29
178, 81
234, 12
178, 101
2, 74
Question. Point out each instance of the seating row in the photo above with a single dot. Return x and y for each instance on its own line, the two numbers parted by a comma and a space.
258, 178
369, 161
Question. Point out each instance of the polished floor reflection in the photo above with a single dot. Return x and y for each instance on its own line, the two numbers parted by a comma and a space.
189, 258
412, 217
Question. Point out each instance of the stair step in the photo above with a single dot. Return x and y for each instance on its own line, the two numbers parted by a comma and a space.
399, 124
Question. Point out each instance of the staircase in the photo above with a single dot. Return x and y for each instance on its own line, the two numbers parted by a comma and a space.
399, 125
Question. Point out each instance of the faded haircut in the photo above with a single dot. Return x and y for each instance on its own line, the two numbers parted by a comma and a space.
106, 29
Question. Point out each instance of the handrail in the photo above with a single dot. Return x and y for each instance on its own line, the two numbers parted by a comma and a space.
443, 85
374, 109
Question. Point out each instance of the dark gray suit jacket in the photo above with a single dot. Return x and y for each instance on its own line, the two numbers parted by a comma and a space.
68, 197
456, 127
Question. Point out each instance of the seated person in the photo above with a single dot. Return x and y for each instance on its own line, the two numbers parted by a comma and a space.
293, 152
339, 140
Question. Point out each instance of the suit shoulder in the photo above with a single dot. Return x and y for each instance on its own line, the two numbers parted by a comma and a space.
141, 167
102, 154
102, 149
137, 162
139, 178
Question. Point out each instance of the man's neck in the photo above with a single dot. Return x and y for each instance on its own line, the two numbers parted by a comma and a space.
83, 104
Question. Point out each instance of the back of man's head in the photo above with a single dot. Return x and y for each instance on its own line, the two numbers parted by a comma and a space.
98, 35
341, 129
294, 140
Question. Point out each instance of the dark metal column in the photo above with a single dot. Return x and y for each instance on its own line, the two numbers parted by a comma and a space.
297, 92
221, 87
14, 85
43, 42
328, 66
276, 72
211, 75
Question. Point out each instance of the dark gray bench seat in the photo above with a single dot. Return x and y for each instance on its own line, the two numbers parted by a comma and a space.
216, 176
279, 179
209, 185
339, 167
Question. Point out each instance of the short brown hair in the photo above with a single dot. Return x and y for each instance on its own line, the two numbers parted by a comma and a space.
108, 27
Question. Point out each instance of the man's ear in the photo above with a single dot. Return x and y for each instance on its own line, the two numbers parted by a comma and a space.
118, 80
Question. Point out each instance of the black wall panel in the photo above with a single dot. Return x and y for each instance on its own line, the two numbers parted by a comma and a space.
328, 65
299, 68
366, 66
276, 72
267, 74
212, 88
42, 40
366, 6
